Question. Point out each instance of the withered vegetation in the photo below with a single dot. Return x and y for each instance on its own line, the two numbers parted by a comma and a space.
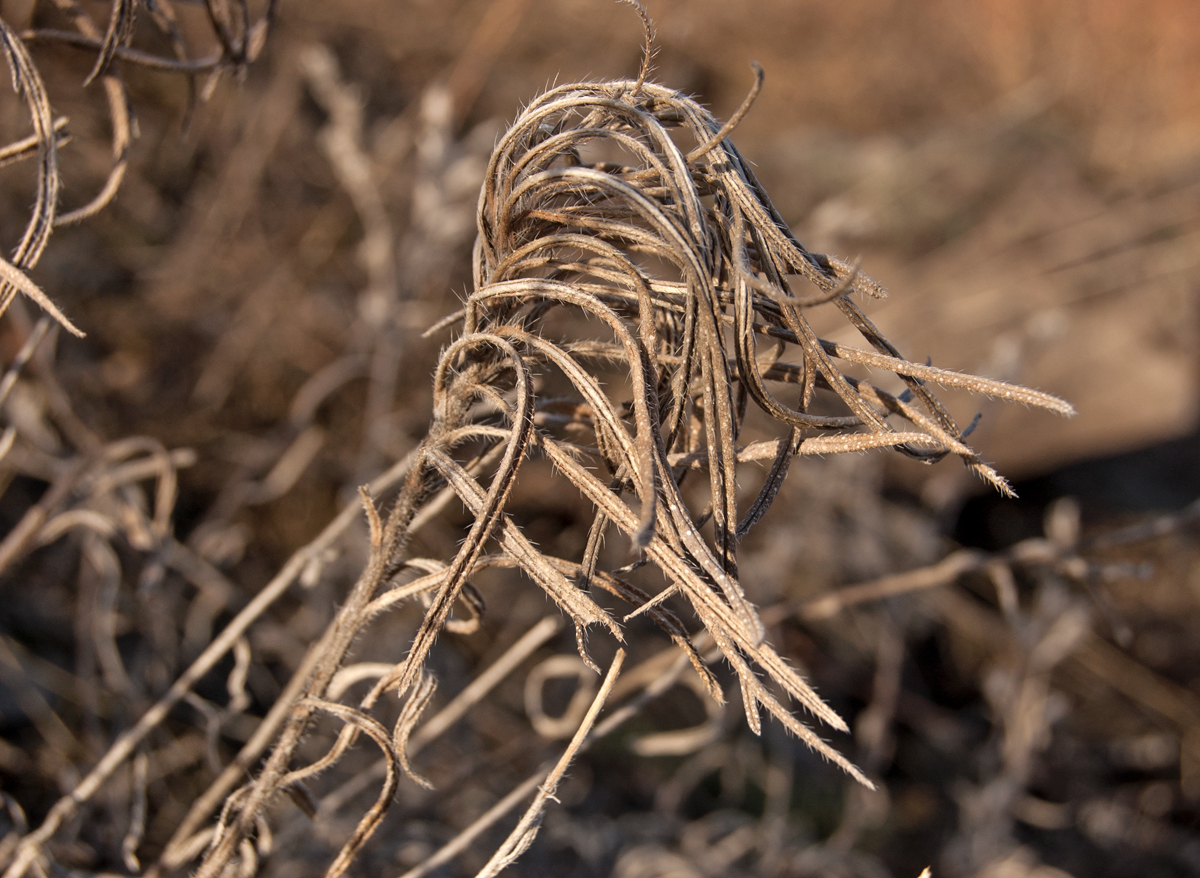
638, 335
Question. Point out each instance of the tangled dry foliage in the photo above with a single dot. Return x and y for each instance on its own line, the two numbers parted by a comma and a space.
678, 252
619, 209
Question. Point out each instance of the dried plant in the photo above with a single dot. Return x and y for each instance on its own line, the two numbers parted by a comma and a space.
240, 38
618, 209
675, 251
95, 492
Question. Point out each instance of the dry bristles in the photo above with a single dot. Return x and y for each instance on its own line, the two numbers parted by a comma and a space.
671, 249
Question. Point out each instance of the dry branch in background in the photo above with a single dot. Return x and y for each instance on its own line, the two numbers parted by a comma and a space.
96, 488
240, 37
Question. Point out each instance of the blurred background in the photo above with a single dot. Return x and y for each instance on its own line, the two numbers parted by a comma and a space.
1023, 177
